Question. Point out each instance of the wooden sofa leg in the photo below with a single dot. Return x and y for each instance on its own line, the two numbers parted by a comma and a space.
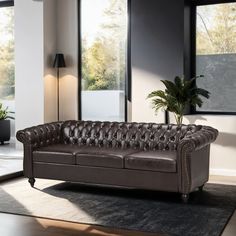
185, 198
31, 181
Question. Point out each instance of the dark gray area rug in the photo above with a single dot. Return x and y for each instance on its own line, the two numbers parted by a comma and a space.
206, 214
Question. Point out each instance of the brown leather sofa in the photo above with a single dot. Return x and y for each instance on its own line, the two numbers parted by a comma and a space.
140, 155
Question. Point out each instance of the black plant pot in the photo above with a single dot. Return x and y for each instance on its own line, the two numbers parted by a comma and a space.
5, 131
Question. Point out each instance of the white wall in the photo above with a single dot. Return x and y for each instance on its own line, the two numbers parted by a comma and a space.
41, 30
29, 63
156, 51
223, 151
35, 46
67, 43
50, 48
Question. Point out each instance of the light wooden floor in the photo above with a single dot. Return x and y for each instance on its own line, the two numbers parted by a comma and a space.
11, 225
230, 229
15, 225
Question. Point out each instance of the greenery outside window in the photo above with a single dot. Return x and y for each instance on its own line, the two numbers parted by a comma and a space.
214, 54
103, 39
7, 67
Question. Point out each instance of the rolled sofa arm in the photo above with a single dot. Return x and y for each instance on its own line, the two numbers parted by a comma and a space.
187, 149
41, 135
203, 137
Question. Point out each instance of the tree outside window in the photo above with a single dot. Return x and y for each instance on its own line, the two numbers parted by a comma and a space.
216, 55
7, 67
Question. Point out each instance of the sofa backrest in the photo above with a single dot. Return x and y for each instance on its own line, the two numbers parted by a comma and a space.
146, 136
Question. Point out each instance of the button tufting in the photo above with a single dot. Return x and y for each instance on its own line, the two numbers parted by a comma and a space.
162, 138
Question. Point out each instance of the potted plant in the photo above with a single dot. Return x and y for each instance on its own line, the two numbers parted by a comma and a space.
177, 96
5, 127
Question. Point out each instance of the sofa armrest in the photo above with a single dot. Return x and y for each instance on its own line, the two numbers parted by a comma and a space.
41, 135
37, 136
194, 148
203, 137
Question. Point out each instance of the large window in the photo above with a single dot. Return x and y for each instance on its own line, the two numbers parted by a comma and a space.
7, 78
103, 59
7, 62
216, 55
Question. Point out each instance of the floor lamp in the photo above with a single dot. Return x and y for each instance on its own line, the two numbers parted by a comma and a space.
59, 62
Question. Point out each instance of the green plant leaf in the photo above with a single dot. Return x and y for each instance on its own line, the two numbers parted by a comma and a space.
157, 93
178, 95
178, 82
158, 104
171, 88
3, 112
202, 92
196, 101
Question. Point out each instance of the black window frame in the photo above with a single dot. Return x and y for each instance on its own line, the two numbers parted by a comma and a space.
190, 48
128, 77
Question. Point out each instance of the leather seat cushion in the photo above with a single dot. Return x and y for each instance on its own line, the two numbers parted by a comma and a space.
163, 161
102, 157
58, 153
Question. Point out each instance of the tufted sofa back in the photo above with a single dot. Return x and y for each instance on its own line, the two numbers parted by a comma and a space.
146, 136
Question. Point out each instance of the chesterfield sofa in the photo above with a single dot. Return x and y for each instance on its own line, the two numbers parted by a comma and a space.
139, 155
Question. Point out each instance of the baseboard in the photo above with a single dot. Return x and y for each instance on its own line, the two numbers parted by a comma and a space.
223, 172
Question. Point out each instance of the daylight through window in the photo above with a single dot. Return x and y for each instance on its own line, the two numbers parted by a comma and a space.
104, 47
216, 55
7, 67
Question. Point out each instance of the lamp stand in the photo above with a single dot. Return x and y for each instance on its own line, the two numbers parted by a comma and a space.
58, 95
59, 62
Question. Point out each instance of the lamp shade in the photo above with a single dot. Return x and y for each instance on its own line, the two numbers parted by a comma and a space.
59, 61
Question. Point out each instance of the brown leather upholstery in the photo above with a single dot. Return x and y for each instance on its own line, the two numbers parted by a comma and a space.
82, 155
147, 136
56, 153
57, 148
54, 157
41, 135
106, 157
163, 161
179, 155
